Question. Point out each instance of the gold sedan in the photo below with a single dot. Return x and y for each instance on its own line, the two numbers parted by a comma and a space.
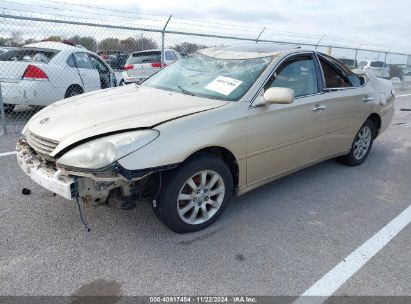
218, 123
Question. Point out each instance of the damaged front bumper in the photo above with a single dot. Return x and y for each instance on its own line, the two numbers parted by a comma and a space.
90, 187
43, 173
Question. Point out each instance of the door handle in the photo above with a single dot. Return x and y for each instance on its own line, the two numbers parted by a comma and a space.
319, 108
367, 99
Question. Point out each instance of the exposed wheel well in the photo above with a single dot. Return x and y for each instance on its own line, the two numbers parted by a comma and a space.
226, 156
73, 87
376, 119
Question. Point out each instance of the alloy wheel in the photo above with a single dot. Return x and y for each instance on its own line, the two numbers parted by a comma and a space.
362, 142
200, 197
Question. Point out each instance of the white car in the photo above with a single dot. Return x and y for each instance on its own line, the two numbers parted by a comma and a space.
141, 65
44, 72
379, 68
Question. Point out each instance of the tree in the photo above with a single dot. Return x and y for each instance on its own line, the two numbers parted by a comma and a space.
144, 43
16, 39
109, 44
128, 45
88, 42
29, 40
53, 38
187, 47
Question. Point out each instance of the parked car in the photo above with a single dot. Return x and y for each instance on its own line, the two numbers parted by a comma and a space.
350, 63
221, 122
44, 72
119, 62
116, 59
379, 68
4, 49
143, 64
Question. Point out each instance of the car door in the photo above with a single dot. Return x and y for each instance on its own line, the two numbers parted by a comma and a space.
89, 75
346, 101
283, 137
106, 77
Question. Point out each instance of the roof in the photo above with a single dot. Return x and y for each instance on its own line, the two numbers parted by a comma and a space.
256, 50
59, 46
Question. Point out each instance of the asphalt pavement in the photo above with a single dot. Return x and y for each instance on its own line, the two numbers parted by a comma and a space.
277, 240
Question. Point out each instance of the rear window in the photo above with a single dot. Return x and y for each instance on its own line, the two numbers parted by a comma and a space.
28, 55
377, 64
144, 57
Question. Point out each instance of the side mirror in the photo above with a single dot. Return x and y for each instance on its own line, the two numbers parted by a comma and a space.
279, 95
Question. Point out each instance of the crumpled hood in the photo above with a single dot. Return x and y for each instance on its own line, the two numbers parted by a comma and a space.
130, 107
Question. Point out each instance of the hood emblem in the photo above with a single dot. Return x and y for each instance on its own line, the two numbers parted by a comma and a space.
44, 121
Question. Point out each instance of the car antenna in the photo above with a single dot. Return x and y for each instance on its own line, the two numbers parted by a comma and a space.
78, 205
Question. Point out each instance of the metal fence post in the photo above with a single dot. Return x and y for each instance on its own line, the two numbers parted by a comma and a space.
259, 35
405, 72
3, 113
355, 58
163, 34
385, 59
316, 46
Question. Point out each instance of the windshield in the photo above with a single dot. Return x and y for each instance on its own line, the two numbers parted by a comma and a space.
200, 75
28, 55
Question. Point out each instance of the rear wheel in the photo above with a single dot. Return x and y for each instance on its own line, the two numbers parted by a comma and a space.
361, 145
194, 195
73, 91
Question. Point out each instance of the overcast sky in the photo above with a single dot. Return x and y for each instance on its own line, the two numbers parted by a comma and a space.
378, 21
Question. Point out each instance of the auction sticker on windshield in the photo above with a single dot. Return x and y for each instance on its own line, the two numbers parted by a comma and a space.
223, 85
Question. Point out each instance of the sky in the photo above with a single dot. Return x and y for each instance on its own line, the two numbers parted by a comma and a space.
381, 23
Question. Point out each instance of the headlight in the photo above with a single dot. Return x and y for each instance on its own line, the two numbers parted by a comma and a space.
102, 152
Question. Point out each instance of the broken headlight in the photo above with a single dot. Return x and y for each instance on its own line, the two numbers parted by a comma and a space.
101, 152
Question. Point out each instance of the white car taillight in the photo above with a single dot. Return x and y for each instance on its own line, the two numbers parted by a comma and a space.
33, 72
128, 67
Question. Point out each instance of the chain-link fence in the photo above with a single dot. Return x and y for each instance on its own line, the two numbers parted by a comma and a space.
39, 65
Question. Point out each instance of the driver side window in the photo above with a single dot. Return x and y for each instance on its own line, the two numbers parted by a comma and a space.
299, 74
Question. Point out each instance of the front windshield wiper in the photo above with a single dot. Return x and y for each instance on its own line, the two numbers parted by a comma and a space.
185, 91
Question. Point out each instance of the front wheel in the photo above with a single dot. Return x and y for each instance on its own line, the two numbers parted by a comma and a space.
195, 195
361, 145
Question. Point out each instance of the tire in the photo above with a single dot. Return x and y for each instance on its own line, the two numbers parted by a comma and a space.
73, 91
187, 215
8, 108
361, 145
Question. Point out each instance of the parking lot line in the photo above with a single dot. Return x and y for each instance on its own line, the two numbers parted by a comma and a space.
8, 153
403, 95
344, 270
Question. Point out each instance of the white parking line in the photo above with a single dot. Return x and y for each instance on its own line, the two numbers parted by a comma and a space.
403, 95
344, 270
8, 153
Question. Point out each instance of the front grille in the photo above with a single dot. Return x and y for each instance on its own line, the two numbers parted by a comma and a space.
41, 144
